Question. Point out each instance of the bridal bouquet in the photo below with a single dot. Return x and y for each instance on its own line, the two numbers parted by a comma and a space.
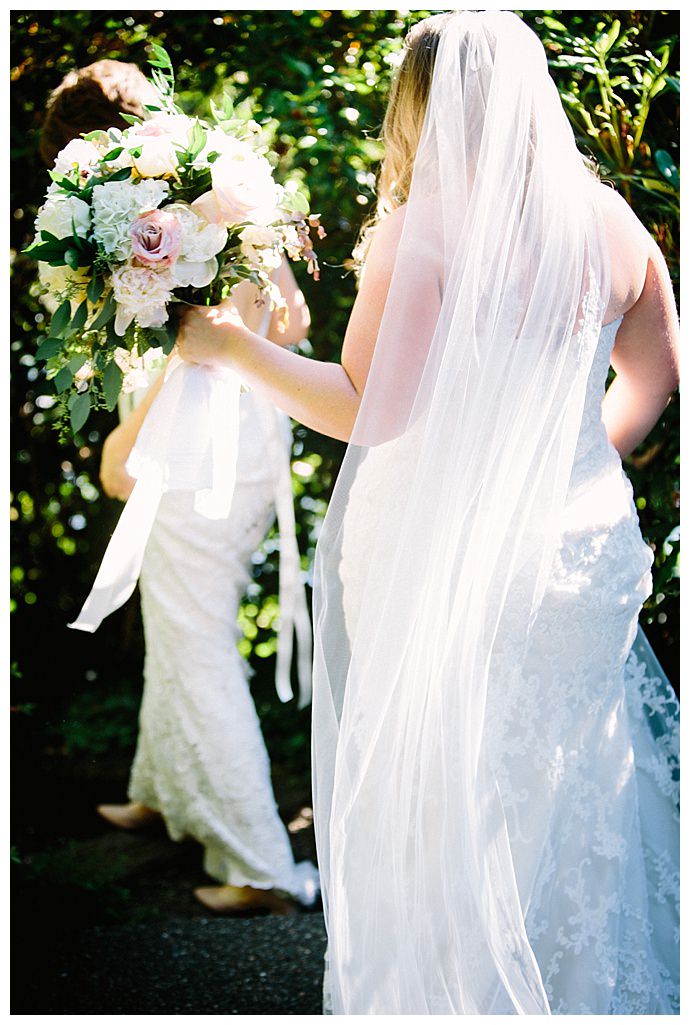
171, 209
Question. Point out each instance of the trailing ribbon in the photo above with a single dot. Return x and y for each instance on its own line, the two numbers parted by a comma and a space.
188, 442
294, 613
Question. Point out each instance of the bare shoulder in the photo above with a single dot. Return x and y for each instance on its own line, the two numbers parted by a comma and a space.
630, 248
383, 247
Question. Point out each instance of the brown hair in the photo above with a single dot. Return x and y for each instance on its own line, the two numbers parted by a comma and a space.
92, 98
402, 124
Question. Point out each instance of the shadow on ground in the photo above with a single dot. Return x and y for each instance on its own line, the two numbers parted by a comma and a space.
104, 922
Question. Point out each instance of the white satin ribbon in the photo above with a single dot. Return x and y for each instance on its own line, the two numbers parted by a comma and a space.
188, 442
294, 613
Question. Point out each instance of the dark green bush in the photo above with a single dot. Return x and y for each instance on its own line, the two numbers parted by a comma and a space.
320, 78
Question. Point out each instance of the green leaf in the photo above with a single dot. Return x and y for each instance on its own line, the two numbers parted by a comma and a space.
606, 40
120, 176
79, 318
667, 167
114, 340
61, 318
107, 311
80, 410
49, 347
76, 363
161, 55
167, 335
553, 25
48, 251
63, 379
112, 384
94, 289
72, 258
114, 153
196, 141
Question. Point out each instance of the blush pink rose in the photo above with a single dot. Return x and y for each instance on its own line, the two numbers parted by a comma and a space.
156, 238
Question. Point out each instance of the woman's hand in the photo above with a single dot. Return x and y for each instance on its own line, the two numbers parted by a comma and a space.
207, 333
115, 480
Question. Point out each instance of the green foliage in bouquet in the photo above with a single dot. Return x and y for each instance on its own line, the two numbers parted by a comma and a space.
112, 298
317, 83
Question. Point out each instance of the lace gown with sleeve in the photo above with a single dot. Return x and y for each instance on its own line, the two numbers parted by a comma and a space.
200, 759
583, 739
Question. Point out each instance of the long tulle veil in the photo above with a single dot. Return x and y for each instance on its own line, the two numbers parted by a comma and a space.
439, 539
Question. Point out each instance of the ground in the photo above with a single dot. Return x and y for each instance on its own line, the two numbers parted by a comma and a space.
104, 922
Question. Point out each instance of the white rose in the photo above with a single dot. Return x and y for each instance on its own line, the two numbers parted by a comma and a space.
158, 138
60, 214
201, 242
141, 294
242, 188
79, 153
116, 205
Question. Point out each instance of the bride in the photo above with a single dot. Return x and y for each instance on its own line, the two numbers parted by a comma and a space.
494, 756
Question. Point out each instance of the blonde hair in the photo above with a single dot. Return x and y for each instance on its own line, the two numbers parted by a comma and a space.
402, 124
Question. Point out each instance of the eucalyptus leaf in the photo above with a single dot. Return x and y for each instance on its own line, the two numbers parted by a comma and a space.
112, 384
80, 316
49, 347
72, 258
76, 363
63, 379
94, 289
107, 311
61, 318
79, 412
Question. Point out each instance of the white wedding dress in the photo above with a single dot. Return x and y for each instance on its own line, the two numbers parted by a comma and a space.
200, 759
583, 740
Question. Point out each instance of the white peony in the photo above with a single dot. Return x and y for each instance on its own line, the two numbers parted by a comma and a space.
158, 139
61, 214
201, 242
141, 294
77, 153
116, 205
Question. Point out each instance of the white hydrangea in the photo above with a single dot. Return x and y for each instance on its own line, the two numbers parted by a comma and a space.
116, 205
60, 214
141, 294
201, 241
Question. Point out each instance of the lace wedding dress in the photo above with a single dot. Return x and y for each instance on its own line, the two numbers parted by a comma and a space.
583, 740
201, 759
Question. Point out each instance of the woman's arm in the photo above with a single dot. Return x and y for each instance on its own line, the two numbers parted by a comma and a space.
298, 318
323, 396
115, 480
645, 358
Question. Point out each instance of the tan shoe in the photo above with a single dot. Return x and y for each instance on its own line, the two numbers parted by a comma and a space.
128, 816
231, 900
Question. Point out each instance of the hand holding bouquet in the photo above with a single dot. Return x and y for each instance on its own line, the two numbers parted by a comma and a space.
172, 209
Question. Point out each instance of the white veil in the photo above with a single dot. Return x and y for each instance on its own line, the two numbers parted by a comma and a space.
439, 538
